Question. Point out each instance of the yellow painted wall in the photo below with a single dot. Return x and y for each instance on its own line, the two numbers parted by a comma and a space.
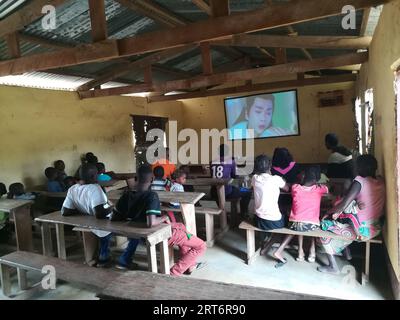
314, 122
40, 126
377, 74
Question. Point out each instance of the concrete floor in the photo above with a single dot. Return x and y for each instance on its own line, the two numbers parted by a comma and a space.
225, 262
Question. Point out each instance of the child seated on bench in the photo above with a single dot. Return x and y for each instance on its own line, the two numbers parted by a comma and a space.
266, 189
102, 176
305, 212
53, 184
367, 191
4, 230
89, 198
144, 206
179, 179
17, 191
159, 183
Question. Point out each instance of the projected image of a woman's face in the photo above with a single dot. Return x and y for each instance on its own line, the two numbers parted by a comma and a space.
259, 116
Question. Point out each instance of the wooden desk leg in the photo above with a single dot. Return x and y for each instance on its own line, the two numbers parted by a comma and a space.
90, 242
23, 228
61, 241
209, 230
5, 279
152, 257
46, 240
189, 217
164, 257
22, 281
365, 276
221, 203
251, 248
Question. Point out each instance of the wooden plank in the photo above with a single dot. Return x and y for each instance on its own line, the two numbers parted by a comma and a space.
8, 205
12, 40
124, 68
47, 242
219, 8
5, 279
152, 258
257, 87
229, 77
316, 233
141, 285
310, 42
124, 228
189, 217
23, 227
100, 51
98, 20
210, 232
364, 23
164, 257
65, 270
148, 77
61, 241
203, 6
215, 28
165, 196
206, 58
25, 16
22, 280
251, 246
280, 56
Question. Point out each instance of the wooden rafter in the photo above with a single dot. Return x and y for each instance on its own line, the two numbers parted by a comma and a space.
256, 87
126, 67
311, 42
203, 6
153, 11
193, 33
14, 50
98, 20
364, 23
219, 8
206, 57
25, 16
229, 77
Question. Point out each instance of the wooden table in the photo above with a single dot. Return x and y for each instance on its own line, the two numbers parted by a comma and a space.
141, 285
154, 236
220, 186
186, 200
20, 213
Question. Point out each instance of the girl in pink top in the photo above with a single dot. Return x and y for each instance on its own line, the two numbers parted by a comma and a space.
305, 212
368, 191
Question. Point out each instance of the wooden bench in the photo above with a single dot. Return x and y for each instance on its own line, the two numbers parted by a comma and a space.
140, 285
155, 236
209, 214
252, 254
68, 271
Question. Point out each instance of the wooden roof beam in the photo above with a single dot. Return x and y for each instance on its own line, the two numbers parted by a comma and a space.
201, 4
310, 42
126, 67
229, 77
98, 20
12, 40
256, 87
210, 29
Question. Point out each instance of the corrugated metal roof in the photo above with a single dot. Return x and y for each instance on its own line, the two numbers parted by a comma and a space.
73, 27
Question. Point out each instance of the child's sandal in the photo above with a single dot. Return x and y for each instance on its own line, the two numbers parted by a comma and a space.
311, 259
300, 259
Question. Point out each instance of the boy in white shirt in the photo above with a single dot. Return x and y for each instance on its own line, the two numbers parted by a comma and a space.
89, 198
179, 178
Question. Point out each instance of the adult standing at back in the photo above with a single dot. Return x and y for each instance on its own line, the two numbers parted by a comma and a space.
340, 161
